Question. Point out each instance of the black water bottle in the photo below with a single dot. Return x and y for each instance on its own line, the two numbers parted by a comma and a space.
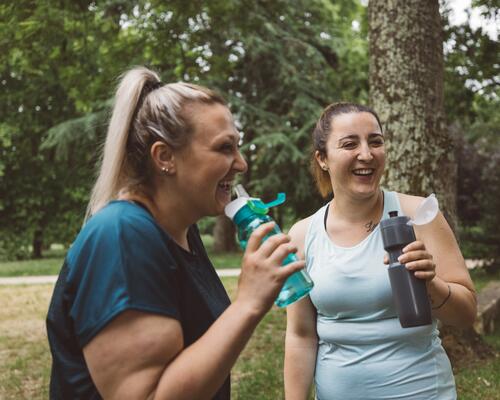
408, 292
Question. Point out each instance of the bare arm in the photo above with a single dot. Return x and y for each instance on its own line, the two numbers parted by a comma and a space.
142, 356
436, 258
301, 342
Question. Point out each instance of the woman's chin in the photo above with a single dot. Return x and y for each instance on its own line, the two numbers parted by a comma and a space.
222, 199
365, 191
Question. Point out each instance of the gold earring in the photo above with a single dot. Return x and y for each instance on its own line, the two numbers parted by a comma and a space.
325, 168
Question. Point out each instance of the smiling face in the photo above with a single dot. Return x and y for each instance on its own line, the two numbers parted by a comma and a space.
206, 167
355, 154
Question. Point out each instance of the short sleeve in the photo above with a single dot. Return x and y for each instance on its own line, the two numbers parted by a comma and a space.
120, 261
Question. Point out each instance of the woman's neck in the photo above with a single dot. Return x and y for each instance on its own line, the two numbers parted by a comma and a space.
366, 210
166, 212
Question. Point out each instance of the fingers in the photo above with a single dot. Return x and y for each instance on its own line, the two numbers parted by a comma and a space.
422, 269
413, 256
416, 258
386, 259
256, 237
281, 252
414, 251
427, 275
275, 242
289, 269
416, 245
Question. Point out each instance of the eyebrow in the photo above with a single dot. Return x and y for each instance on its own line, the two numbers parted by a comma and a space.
354, 136
234, 137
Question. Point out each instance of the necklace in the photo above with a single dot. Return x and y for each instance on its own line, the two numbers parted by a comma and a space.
370, 226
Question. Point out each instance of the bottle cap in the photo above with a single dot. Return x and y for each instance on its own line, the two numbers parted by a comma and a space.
426, 211
233, 207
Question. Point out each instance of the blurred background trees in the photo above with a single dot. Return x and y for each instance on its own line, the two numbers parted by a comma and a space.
278, 64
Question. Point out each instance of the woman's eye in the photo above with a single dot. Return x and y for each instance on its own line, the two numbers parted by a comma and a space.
349, 145
227, 147
377, 142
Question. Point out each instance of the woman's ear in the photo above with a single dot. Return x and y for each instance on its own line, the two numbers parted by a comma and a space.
320, 159
163, 157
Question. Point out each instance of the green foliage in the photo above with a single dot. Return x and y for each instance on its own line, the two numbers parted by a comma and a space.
472, 99
278, 63
53, 69
288, 56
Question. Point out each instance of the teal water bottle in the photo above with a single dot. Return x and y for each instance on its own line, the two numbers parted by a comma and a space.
248, 214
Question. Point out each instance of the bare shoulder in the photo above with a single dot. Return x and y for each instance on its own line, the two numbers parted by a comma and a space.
298, 234
409, 203
299, 229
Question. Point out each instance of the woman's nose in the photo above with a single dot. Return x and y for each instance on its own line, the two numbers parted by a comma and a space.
365, 153
239, 163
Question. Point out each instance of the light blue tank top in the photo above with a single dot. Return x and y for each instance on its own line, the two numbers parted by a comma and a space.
363, 351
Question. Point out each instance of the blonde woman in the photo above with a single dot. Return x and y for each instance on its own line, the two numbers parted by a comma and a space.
346, 334
138, 310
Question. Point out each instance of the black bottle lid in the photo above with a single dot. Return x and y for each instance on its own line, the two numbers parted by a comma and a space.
395, 231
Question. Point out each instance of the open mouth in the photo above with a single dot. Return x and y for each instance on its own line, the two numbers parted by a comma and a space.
225, 186
364, 171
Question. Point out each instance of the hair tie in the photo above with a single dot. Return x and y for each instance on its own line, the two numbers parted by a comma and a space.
147, 88
150, 86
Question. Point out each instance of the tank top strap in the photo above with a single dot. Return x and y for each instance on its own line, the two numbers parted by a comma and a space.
391, 203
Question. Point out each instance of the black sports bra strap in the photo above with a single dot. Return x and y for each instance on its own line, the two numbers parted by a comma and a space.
326, 214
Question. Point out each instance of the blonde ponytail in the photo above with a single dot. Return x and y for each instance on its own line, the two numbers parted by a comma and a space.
110, 176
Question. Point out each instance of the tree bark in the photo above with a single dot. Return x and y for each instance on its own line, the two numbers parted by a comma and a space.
37, 244
406, 90
224, 235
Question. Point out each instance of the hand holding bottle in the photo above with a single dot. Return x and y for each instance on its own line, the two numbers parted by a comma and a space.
249, 214
408, 292
262, 274
416, 258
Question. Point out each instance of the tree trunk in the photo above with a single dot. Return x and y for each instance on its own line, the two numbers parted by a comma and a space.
406, 89
37, 244
224, 235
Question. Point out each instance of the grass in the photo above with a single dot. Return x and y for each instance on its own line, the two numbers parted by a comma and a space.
24, 353
482, 380
53, 260
44, 266
481, 277
25, 357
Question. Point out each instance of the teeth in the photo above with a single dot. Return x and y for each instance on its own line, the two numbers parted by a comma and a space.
363, 171
225, 185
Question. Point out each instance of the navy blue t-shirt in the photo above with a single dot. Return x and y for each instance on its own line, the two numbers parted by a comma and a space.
123, 260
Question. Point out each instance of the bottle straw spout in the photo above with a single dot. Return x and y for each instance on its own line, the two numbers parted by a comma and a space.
240, 191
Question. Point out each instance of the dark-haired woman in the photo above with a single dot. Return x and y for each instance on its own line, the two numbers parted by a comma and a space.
138, 311
346, 334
